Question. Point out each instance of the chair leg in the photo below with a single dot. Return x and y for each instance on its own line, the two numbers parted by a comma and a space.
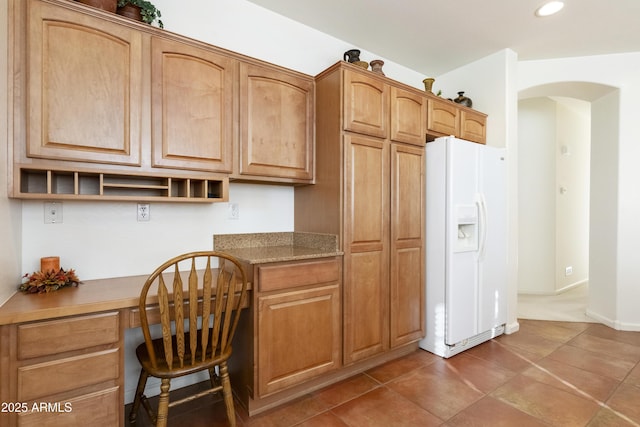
163, 403
213, 377
228, 395
142, 382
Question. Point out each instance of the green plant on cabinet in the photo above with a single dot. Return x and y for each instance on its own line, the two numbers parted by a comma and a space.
148, 11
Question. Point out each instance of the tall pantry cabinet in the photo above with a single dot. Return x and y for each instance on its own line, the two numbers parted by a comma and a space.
370, 137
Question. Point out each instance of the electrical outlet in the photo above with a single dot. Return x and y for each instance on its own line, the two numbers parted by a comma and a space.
568, 271
53, 213
144, 212
234, 211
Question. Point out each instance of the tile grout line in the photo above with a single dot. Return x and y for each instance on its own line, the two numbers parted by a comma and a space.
578, 390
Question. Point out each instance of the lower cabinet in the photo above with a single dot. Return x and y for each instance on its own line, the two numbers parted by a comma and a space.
298, 336
298, 322
291, 334
63, 372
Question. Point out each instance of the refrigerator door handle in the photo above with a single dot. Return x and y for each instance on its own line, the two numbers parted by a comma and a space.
482, 225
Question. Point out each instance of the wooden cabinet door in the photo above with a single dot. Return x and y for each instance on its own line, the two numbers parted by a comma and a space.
276, 124
407, 293
84, 91
299, 336
408, 117
442, 117
192, 107
473, 126
366, 104
366, 247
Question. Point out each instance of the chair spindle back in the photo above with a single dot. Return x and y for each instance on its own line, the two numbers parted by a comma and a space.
211, 325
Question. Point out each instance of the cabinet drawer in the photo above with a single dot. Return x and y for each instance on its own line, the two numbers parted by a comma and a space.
44, 379
99, 409
58, 336
283, 276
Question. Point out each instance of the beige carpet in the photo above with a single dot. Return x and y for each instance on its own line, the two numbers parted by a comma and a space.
569, 306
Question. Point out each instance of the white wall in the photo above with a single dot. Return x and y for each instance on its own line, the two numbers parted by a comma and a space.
615, 205
572, 155
104, 239
244, 27
536, 186
603, 255
553, 226
489, 82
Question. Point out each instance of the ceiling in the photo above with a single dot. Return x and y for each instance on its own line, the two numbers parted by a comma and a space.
435, 36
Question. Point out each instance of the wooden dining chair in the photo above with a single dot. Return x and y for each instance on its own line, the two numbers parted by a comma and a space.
199, 313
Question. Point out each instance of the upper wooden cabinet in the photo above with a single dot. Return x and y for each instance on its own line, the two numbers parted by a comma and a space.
276, 124
445, 118
162, 116
191, 107
408, 116
83, 124
365, 104
84, 87
473, 126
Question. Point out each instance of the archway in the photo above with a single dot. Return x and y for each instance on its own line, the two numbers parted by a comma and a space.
555, 227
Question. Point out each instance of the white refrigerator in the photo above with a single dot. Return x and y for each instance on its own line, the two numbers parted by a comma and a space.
466, 245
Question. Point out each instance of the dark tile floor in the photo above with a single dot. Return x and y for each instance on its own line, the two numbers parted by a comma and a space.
547, 374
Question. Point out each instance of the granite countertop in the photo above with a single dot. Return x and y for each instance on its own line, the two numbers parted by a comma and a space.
258, 248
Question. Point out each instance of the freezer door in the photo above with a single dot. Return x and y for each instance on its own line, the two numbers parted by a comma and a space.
461, 289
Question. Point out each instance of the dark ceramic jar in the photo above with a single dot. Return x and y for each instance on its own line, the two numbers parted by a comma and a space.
463, 100
352, 55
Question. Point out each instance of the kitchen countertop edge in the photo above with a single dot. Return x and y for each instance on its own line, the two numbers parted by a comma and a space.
260, 248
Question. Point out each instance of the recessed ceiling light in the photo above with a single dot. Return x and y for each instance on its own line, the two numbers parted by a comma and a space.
549, 8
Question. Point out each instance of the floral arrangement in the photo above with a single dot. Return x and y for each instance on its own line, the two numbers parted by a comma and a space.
48, 281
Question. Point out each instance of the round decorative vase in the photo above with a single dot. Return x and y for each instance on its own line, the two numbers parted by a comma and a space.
463, 100
376, 66
428, 84
363, 64
130, 11
352, 55
108, 5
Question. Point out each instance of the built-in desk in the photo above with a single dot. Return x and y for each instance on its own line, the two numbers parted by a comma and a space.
66, 349
91, 296
62, 353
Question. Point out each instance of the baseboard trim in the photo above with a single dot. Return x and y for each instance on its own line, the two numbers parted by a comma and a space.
512, 328
615, 324
571, 286
556, 292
